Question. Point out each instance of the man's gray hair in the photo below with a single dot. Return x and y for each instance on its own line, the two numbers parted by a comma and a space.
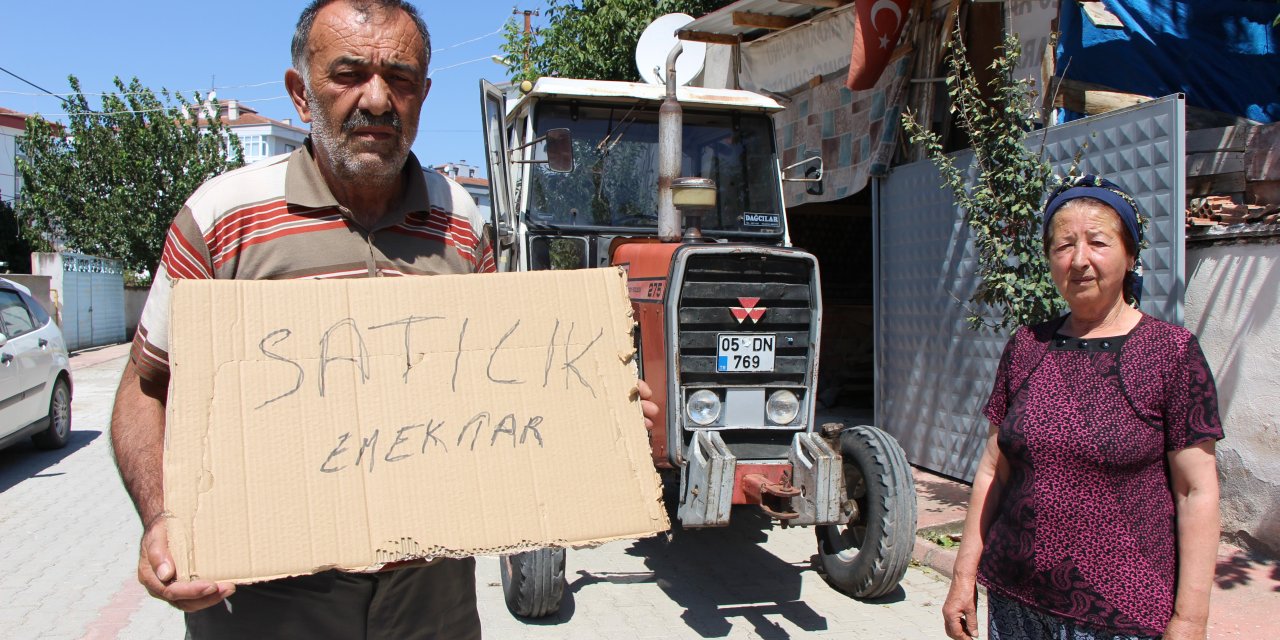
303, 32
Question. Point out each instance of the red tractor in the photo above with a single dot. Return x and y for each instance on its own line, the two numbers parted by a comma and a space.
597, 174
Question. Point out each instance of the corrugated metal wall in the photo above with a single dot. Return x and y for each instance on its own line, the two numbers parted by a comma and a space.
933, 373
93, 301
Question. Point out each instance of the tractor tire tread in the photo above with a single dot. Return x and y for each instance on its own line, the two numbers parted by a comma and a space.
536, 582
895, 518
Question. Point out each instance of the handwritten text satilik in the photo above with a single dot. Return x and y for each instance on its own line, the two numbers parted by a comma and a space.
342, 345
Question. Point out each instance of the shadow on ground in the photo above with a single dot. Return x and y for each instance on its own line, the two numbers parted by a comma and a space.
945, 493
716, 575
24, 461
724, 573
1243, 568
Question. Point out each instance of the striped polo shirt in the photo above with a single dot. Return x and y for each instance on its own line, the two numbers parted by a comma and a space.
276, 219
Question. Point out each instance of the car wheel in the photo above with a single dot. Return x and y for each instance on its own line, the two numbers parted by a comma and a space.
58, 433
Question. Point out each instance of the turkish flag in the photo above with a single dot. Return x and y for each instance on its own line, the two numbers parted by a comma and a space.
875, 34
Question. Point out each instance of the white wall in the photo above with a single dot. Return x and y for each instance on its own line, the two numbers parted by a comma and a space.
50, 264
277, 139
1231, 304
717, 70
135, 298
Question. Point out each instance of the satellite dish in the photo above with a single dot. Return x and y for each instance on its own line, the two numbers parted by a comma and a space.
656, 43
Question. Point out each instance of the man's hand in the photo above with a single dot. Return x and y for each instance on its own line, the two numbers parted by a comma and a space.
156, 573
647, 407
960, 610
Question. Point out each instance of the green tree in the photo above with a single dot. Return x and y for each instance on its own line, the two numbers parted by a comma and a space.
590, 39
1002, 206
110, 181
14, 248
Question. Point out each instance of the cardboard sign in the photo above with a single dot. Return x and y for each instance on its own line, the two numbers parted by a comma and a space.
353, 423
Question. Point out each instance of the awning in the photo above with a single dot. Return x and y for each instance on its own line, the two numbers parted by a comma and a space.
748, 20
803, 40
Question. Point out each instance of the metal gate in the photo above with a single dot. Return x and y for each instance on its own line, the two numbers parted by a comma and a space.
933, 374
92, 301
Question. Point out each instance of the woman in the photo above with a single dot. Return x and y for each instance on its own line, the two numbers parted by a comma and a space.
1094, 512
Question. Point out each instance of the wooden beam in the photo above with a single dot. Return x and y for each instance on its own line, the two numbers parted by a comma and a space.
1214, 163
1221, 184
764, 21
1091, 99
825, 4
1219, 139
708, 37
1262, 158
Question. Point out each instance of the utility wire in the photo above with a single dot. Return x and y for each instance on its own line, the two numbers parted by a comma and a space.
26, 81
434, 71
134, 93
237, 86
475, 39
194, 107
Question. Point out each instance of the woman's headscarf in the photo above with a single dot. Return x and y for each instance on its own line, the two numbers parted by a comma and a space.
1110, 193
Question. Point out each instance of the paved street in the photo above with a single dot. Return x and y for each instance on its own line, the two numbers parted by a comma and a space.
70, 535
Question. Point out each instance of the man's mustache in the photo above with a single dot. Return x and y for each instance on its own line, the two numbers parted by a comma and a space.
361, 118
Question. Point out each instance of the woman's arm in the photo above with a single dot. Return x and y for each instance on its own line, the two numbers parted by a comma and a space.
960, 611
1194, 473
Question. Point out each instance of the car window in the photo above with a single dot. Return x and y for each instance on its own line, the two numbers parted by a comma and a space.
37, 310
14, 318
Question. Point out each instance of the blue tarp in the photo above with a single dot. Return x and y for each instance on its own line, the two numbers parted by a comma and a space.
1221, 53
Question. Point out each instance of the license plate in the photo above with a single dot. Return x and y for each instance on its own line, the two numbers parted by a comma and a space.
741, 352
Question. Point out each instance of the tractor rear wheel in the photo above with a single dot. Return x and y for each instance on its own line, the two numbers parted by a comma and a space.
533, 582
868, 556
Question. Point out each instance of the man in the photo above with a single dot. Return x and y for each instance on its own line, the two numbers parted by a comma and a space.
353, 202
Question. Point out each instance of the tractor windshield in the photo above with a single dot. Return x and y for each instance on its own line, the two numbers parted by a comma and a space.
614, 181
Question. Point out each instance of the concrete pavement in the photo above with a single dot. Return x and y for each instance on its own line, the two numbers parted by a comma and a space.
69, 553
69, 557
69, 532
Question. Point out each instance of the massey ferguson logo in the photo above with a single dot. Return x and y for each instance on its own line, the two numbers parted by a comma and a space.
748, 310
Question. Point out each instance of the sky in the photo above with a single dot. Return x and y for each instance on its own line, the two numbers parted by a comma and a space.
241, 48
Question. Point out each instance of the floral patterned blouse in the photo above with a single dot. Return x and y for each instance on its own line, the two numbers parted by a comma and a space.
1085, 523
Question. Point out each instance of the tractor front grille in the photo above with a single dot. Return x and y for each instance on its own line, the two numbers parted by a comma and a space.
714, 284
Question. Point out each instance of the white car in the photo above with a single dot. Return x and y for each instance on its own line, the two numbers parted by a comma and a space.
35, 375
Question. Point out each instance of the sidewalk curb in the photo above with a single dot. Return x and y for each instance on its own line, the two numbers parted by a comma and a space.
928, 554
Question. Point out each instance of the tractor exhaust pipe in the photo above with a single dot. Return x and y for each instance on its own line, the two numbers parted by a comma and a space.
670, 123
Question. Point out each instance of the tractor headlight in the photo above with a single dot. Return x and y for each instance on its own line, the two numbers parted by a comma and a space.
783, 407
703, 407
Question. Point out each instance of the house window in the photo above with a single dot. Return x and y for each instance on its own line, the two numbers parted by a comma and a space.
288, 148
255, 148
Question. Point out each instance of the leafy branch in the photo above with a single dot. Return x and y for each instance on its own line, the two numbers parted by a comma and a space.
109, 181
1002, 206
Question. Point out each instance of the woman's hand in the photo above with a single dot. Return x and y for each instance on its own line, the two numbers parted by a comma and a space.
960, 611
1184, 629
1194, 475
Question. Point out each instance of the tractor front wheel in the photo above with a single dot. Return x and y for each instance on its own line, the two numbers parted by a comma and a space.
868, 556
